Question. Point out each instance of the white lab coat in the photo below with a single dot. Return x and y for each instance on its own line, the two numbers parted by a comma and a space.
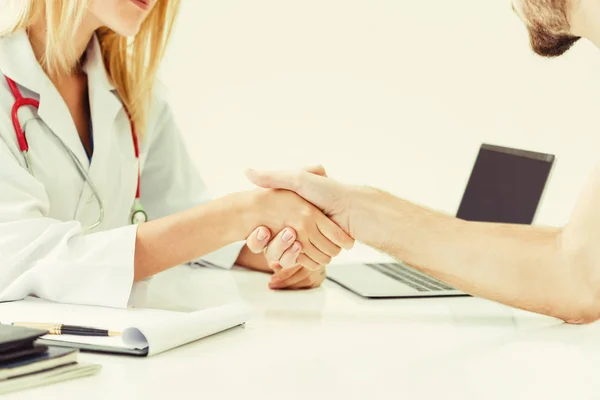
44, 250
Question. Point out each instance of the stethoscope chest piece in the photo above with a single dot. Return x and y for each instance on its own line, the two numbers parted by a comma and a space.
138, 215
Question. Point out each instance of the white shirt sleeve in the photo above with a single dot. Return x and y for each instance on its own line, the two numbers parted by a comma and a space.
170, 181
52, 259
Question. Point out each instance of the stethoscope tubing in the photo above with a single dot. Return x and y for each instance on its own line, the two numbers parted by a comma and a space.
21, 101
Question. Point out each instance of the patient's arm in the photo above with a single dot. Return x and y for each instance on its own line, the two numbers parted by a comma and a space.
553, 271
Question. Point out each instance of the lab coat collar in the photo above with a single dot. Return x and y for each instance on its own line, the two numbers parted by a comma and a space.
18, 62
94, 66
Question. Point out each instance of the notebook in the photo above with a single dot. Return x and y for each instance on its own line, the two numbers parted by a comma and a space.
47, 377
25, 352
36, 365
145, 332
18, 342
52, 358
16, 337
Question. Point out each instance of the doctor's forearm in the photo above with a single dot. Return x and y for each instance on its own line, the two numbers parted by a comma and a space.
186, 236
521, 266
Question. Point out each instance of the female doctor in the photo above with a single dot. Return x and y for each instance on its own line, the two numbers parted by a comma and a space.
87, 139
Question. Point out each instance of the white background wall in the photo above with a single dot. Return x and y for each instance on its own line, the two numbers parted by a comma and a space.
393, 93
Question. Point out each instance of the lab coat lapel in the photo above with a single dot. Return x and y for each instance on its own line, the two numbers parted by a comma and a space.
105, 106
56, 115
19, 63
108, 115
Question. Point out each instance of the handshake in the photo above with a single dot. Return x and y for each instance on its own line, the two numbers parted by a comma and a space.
549, 270
315, 226
306, 218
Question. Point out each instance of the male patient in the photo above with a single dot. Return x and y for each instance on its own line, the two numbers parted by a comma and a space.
553, 271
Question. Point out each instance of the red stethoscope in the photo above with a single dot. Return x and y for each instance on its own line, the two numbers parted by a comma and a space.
138, 215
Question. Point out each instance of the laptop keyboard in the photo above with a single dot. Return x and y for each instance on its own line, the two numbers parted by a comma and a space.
410, 277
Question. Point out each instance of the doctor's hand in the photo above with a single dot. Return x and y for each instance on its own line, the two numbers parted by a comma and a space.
282, 255
297, 278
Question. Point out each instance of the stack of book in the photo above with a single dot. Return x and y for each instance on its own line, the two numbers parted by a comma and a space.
25, 364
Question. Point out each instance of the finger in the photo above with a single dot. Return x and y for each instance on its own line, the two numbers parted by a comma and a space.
289, 259
299, 276
274, 179
275, 266
307, 283
284, 240
334, 233
316, 169
284, 274
315, 254
315, 279
307, 262
324, 245
258, 240
318, 190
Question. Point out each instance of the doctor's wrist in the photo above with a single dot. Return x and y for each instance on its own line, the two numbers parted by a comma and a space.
244, 216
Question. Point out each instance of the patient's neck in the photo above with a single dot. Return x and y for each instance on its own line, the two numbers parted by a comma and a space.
584, 21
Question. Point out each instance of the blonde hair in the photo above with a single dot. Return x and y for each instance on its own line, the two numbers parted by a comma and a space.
131, 63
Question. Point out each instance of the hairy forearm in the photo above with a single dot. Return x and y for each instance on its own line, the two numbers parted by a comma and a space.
521, 266
179, 238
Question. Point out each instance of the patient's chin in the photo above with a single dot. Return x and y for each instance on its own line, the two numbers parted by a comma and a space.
548, 45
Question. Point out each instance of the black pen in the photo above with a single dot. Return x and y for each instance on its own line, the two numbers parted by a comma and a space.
60, 329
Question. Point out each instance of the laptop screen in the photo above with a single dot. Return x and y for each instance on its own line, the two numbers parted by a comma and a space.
505, 186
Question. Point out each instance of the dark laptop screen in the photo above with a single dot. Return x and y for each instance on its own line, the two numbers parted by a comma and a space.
506, 185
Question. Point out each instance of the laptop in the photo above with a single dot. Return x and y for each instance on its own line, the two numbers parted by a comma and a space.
505, 186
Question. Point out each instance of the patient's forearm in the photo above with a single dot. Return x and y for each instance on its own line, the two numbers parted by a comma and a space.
522, 266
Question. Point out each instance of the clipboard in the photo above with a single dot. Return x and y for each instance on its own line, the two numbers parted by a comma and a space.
145, 332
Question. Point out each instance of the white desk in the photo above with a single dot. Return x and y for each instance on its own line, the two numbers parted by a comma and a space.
330, 344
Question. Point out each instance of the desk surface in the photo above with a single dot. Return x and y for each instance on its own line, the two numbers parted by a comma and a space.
329, 343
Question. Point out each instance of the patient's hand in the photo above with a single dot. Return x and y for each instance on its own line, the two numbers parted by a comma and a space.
335, 199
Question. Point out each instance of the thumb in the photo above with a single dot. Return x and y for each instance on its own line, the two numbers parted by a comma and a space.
319, 190
316, 169
258, 240
274, 179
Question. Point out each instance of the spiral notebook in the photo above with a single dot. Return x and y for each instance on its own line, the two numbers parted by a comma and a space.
145, 332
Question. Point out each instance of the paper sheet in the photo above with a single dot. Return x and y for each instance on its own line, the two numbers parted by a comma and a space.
157, 330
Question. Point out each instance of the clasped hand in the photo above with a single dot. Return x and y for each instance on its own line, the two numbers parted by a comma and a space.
305, 241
